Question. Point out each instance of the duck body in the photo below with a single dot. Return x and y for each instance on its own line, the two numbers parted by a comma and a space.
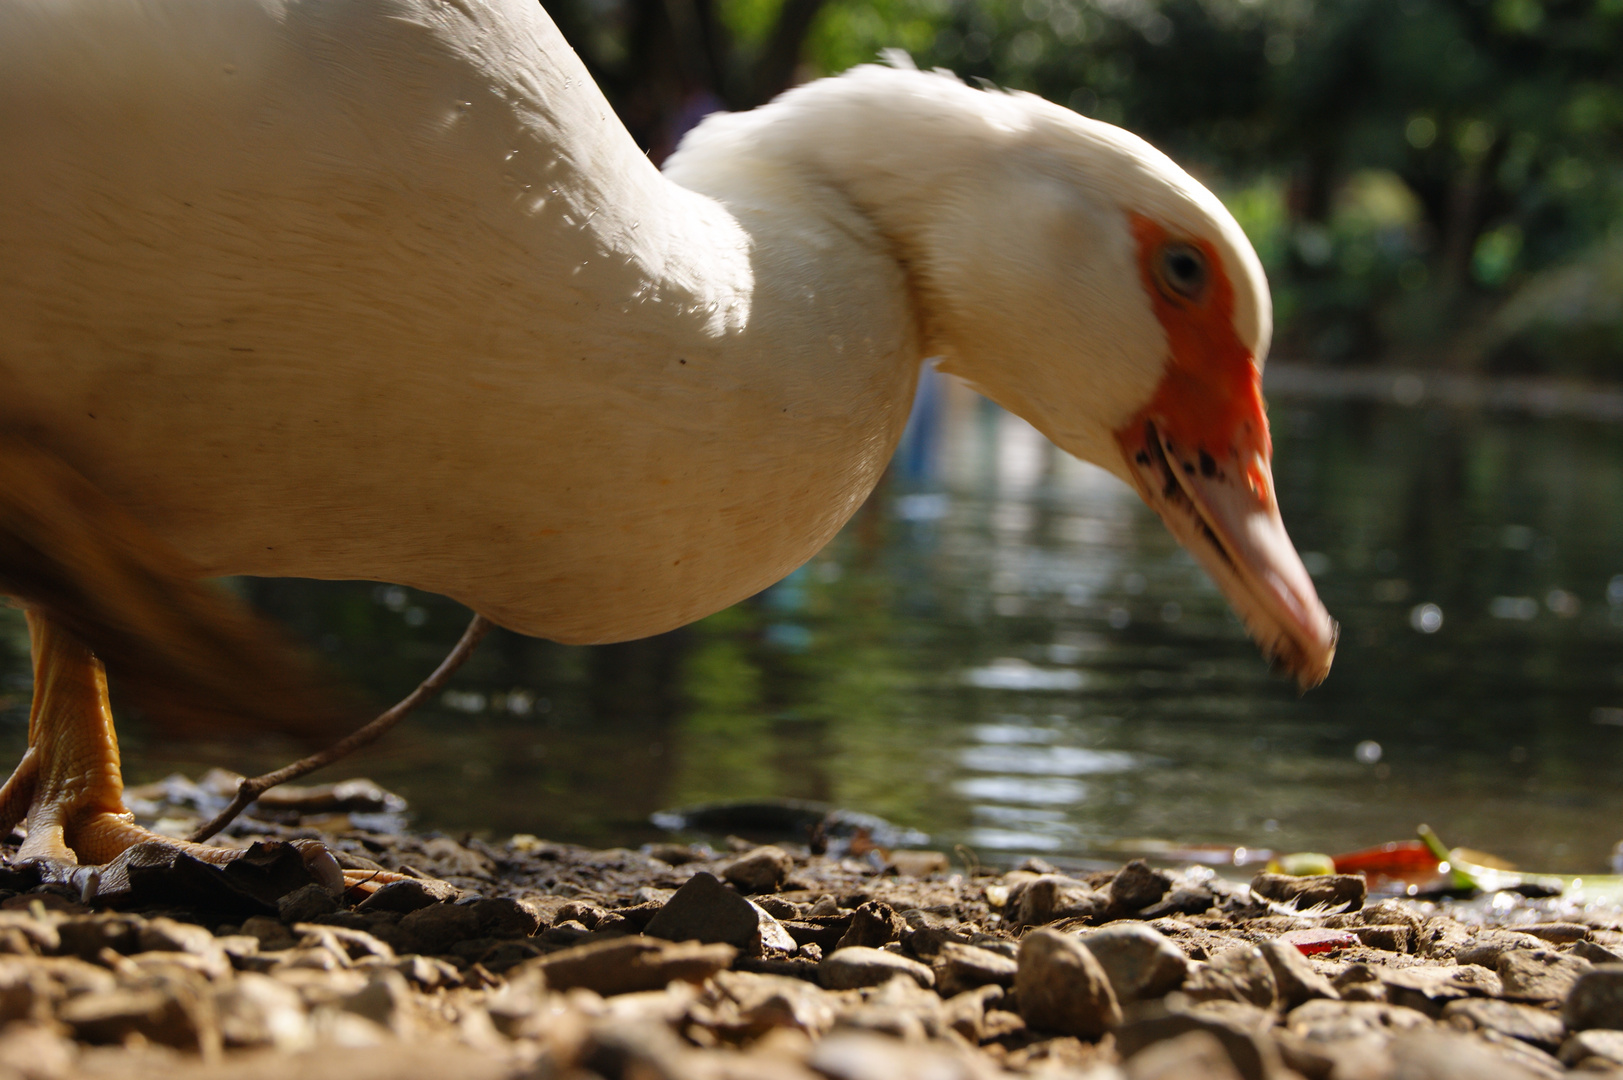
381, 289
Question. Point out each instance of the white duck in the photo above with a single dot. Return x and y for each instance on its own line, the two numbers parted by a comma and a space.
382, 289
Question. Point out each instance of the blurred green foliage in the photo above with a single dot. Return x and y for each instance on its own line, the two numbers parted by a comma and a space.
1432, 182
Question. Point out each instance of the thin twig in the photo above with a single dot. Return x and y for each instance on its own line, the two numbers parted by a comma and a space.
252, 788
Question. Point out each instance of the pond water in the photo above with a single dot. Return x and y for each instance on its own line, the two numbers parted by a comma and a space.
1006, 650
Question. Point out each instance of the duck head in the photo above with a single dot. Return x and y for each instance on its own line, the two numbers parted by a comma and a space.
1200, 454
1119, 308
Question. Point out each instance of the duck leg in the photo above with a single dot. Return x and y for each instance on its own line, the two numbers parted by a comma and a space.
69, 788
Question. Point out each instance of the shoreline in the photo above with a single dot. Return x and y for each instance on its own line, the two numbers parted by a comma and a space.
528, 958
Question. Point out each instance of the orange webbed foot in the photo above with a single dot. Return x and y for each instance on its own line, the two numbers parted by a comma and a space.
68, 794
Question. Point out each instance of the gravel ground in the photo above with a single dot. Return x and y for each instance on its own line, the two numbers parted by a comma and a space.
532, 959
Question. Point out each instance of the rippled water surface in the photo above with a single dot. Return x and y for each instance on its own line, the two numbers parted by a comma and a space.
1005, 649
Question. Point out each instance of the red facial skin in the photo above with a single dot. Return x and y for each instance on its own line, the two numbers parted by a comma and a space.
1210, 399
1199, 454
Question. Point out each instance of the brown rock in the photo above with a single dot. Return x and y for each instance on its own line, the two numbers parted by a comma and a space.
580, 911
1238, 974
1359, 982
409, 895
1244, 1039
1596, 954
704, 909
447, 858
437, 927
506, 917
272, 933
1137, 886
766, 1002
1531, 1025
388, 1061
1182, 900
965, 1013
629, 964
1539, 974
1398, 939
1441, 938
87, 935
642, 1051
22, 934
160, 1013
1485, 948
1337, 1021
1318, 1061
1429, 989
898, 1007
1345, 891
872, 925
305, 903
428, 973
37, 1052
1389, 913
257, 1010
355, 944
857, 966
763, 870
675, 854
240, 949
1139, 962
964, 967
1062, 988
1296, 979
927, 931
1595, 1000
1449, 1055
30, 988
1194, 1055
825, 933
385, 1000
774, 938
1605, 1047
1557, 933
775, 906
919, 864
167, 935
1052, 897
860, 1055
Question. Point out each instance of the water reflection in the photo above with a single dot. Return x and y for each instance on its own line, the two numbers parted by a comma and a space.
1006, 649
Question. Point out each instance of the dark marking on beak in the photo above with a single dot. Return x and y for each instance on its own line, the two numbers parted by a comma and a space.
1172, 490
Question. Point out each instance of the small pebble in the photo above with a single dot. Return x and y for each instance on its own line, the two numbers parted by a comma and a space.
856, 966
1062, 988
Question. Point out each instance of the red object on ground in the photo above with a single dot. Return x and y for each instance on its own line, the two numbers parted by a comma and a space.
1400, 859
1317, 941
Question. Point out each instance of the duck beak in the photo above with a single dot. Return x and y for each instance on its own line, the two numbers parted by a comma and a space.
1222, 509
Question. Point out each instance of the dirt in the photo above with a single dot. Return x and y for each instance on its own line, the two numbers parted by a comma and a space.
526, 958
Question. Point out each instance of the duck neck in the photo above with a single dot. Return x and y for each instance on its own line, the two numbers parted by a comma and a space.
866, 153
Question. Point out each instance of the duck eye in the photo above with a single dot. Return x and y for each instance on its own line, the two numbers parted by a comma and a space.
1183, 270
